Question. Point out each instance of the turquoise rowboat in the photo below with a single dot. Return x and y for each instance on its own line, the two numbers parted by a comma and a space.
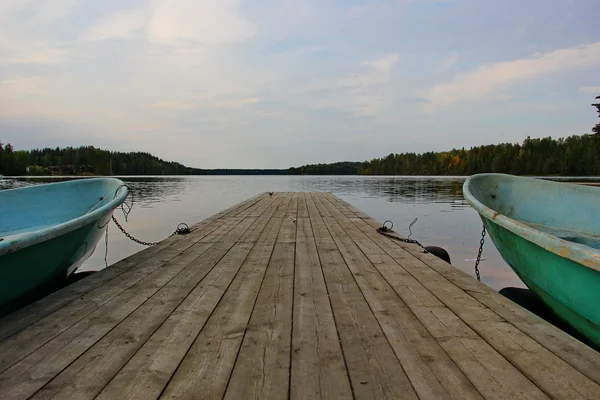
47, 232
549, 234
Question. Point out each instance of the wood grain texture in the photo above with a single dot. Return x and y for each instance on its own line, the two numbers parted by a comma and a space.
318, 369
553, 375
374, 370
13, 323
289, 295
207, 366
430, 370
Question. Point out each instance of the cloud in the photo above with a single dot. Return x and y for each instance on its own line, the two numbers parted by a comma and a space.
493, 79
371, 7
302, 77
385, 63
173, 105
38, 12
207, 21
237, 103
373, 72
39, 53
121, 25
590, 89
27, 30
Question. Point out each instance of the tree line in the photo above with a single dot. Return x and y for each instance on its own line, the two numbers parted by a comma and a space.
577, 155
574, 155
571, 156
85, 160
89, 160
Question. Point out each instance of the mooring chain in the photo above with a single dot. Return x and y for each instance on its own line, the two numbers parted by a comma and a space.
384, 229
182, 229
478, 260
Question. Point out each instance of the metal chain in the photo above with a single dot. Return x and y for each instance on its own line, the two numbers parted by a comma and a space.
481, 242
382, 231
182, 228
131, 237
179, 231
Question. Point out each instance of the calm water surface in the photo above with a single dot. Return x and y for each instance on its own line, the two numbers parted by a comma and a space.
445, 219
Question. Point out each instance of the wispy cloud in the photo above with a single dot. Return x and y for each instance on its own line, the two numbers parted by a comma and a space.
237, 103
121, 25
308, 78
174, 105
492, 80
590, 89
207, 21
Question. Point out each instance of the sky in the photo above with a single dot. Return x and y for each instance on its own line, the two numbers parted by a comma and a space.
273, 84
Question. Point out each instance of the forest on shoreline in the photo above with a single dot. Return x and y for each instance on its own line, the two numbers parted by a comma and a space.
576, 155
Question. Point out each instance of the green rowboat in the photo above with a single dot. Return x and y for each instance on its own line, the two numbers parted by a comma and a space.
549, 234
48, 231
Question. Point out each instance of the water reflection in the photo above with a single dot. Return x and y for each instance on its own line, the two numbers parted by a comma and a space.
444, 218
146, 190
149, 190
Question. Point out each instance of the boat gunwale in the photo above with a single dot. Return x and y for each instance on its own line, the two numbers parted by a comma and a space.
20, 241
582, 254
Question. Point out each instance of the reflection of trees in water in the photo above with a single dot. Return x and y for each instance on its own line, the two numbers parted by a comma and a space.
409, 190
403, 189
146, 190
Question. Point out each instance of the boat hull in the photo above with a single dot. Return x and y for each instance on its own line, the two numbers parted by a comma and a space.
547, 232
569, 289
47, 231
31, 273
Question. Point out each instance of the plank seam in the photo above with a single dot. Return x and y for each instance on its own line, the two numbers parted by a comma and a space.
253, 305
521, 370
329, 296
100, 306
217, 304
142, 304
407, 307
363, 295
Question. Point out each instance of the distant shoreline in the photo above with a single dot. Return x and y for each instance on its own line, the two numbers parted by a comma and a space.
571, 178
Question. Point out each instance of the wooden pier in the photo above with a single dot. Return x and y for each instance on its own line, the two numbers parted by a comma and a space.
290, 295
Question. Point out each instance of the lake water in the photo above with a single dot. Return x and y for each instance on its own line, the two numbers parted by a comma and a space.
445, 219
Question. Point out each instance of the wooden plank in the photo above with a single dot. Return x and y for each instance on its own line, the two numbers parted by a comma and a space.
444, 326
100, 322
208, 364
252, 234
119, 343
318, 369
20, 345
88, 375
290, 295
544, 368
577, 354
263, 362
431, 371
487, 370
148, 372
20, 319
559, 378
374, 370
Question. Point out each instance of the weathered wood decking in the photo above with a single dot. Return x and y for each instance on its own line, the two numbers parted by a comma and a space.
292, 295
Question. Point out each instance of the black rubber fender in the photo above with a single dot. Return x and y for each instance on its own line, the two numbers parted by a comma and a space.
439, 253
